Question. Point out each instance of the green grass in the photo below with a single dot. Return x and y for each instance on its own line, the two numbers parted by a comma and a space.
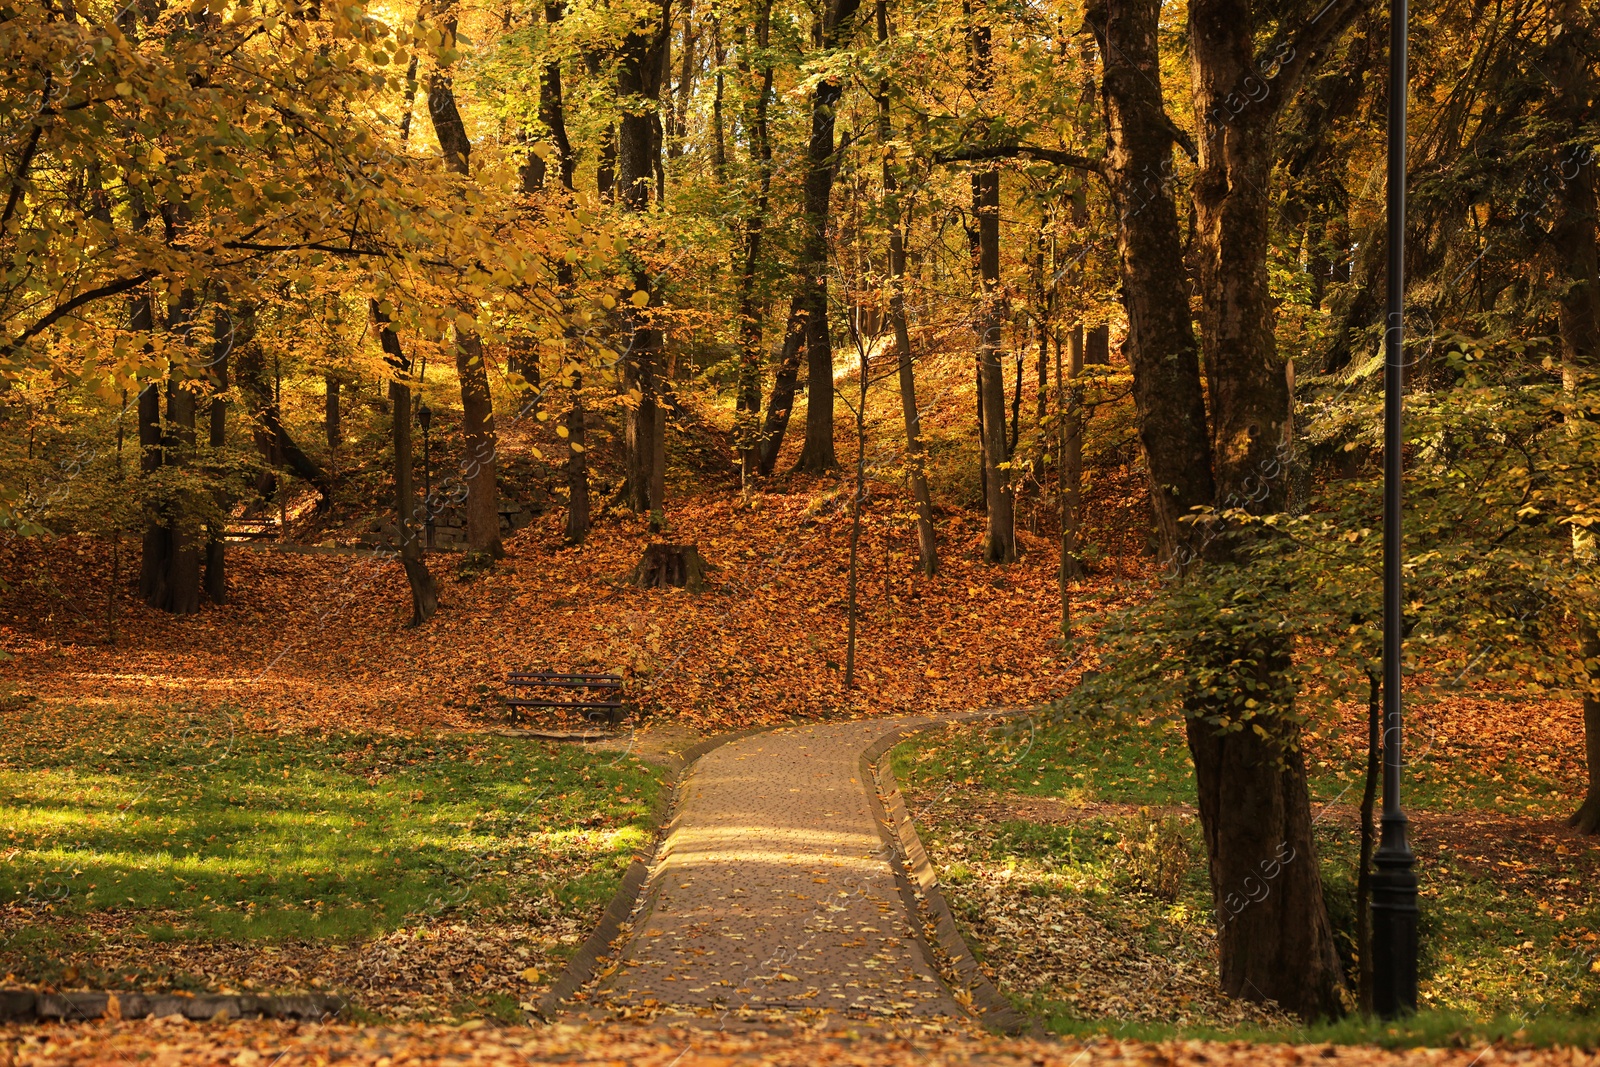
1425, 1029
1509, 942
245, 835
1083, 761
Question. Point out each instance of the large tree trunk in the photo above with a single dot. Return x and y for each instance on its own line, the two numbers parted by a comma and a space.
817, 455
1573, 240
1000, 536
1155, 289
781, 401
183, 537
639, 75
1253, 801
477, 403
751, 306
927, 548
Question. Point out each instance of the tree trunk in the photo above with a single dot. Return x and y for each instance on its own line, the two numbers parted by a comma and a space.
1573, 240
1155, 289
331, 412
424, 595
1369, 796
1252, 796
719, 141
277, 446
577, 470
183, 553
857, 501
1069, 401
927, 548
1000, 537
153, 558
478, 466
477, 403
183, 536
1042, 329
781, 401
553, 113
639, 75
679, 113
223, 331
748, 405
817, 455
1097, 346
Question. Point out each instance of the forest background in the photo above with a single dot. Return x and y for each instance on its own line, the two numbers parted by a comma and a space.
1022, 340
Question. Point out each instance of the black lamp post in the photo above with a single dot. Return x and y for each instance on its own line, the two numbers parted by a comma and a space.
425, 418
1394, 882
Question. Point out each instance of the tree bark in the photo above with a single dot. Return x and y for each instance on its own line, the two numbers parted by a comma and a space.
1069, 394
183, 537
927, 548
331, 415
679, 113
553, 114
1573, 240
719, 140
277, 446
153, 557
477, 403
781, 400
222, 331
1097, 346
639, 75
478, 465
1000, 538
1165, 357
1369, 836
1252, 797
748, 404
424, 595
817, 455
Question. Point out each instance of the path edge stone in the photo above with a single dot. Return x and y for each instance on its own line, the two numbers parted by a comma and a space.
27, 1005
947, 953
581, 968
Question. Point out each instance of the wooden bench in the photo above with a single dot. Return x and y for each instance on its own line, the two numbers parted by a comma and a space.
612, 711
250, 530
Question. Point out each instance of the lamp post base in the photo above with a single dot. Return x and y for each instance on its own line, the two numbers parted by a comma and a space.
1394, 923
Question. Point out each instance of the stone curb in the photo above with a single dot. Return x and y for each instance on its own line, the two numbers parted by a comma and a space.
24, 1005
586, 961
947, 953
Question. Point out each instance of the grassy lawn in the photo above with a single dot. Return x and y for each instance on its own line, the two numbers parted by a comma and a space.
1081, 883
197, 830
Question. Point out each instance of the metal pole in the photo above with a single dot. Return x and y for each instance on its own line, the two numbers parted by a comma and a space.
1394, 882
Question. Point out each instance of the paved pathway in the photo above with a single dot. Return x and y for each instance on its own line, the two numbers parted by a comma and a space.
774, 892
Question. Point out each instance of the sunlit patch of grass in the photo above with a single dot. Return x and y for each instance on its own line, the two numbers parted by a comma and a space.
1509, 949
331, 835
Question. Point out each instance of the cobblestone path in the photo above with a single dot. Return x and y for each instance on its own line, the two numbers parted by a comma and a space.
774, 893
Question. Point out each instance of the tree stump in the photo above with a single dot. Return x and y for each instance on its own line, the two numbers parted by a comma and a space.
678, 566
